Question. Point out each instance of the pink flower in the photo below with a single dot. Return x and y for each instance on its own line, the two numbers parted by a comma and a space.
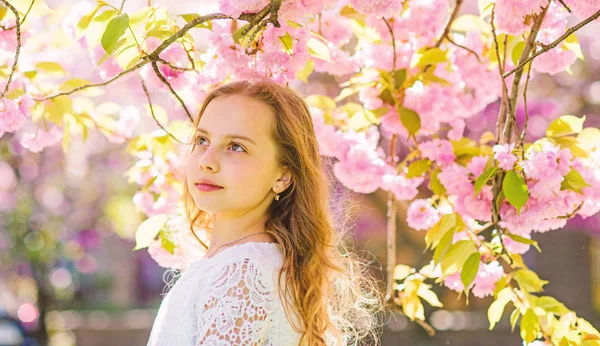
341, 62
41, 139
362, 170
503, 153
455, 179
235, 8
583, 8
554, 61
477, 165
478, 207
11, 117
516, 247
335, 28
510, 14
487, 276
377, 7
437, 150
403, 188
164, 258
421, 215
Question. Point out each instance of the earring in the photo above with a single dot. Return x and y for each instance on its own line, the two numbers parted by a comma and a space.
276, 195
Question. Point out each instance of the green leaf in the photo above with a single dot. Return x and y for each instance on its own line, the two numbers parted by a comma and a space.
497, 307
401, 271
306, 71
418, 168
3, 11
517, 51
435, 185
114, 30
443, 246
470, 22
429, 296
287, 41
50, 67
167, 244
325, 103
318, 49
528, 280
148, 230
515, 190
457, 256
573, 181
410, 119
188, 17
484, 178
572, 43
428, 56
470, 269
446, 223
85, 21
523, 240
399, 78
237, 35
106, 15
514, 317
565, 125
108, 55
530, 326
552, 305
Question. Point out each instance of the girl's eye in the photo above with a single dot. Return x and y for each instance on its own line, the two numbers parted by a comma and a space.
233, 145
239, 146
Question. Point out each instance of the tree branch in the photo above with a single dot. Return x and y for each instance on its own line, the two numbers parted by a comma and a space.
18, 50
393, 42
154, 115
449, 24
546, 48
164, 80
565, 5
22, 21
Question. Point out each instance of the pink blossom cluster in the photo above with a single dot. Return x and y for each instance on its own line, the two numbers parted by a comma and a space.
583, 8
13, 113
156, 175
510, 14
484, 283
557, 59
40, 139
187, 248
361, 166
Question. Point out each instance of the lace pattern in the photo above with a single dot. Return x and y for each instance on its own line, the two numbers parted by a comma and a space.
228, 299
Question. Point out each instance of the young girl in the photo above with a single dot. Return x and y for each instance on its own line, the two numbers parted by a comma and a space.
276, 271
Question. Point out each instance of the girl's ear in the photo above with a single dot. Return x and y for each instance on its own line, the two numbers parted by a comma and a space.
284, 181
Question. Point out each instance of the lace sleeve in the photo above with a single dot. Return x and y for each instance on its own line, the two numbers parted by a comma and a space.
236, 305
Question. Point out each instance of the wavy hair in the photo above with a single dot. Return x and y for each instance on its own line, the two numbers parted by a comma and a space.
330, 287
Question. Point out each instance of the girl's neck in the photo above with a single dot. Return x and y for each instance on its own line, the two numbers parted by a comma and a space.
226, 231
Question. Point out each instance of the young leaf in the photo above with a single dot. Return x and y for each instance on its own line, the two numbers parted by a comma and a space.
528, 280
418, 167
443, 246
114, 30
410, 119
148, 230
552, 305
565, 125
515, 190
435, 185
457, 255
523, 240
530, 326
497, 307
401, 271
484, 178
470, 269
573, 181
429, 296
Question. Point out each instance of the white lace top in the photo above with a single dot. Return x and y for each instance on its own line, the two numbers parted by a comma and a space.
228, 299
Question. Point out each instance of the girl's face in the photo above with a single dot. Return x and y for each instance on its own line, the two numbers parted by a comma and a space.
234, 150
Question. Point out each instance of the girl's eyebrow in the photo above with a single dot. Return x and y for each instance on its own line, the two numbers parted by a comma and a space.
229, 136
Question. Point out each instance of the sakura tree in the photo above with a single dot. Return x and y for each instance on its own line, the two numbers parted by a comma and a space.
413, 71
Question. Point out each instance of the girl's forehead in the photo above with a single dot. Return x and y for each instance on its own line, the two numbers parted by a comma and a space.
237, 113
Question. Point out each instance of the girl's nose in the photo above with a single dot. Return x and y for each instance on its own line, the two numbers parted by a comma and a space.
208, 161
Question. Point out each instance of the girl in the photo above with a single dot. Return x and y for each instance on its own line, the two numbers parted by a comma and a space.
276, 271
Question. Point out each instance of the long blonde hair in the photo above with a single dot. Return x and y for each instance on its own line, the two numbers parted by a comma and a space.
329, 285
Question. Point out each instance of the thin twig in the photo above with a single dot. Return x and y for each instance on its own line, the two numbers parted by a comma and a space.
565, 5
449, 24
504, 105
184, 69
119, 75
522, 139
514, 93
546, 48
22, 20
164, 80
18, 50
393, 42
154, 115
122, 4
155, 54
465, 48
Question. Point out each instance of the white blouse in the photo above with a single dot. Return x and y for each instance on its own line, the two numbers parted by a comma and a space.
228, 299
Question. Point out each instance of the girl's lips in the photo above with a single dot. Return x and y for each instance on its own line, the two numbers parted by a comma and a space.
206, 187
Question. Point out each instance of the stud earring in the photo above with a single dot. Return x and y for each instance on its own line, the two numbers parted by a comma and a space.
276, 195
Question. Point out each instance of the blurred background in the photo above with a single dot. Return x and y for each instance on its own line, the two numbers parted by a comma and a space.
67, 225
